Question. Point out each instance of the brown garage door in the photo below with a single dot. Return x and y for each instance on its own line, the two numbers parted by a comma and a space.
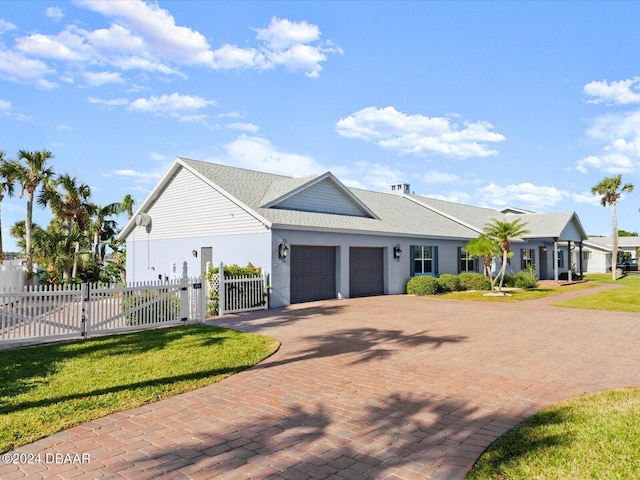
366, 271
313, 273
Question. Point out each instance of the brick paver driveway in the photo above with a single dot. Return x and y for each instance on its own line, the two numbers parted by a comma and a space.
386, 387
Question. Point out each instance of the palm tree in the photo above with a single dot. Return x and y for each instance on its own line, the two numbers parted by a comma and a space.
103, 229
30, 171
6, 187
611, 189
127, 205
69, 201
486, 248
503, 232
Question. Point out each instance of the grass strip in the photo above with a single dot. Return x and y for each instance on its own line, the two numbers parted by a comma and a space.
46, 389
594, 436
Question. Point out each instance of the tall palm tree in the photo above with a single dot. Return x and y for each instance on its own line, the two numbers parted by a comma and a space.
6, 188
30, 171
103, 229
503, 233
611, 189
69, 201
127, 205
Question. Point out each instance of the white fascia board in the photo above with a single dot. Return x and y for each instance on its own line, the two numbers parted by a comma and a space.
446, 215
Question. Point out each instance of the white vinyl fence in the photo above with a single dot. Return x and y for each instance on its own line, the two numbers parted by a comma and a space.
47, 313
239, 293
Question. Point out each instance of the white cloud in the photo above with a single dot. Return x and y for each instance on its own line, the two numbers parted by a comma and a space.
247, 127
6, 26
453, 196
439, 177
418, 134
523, 195
623, 92
17, 68
258, 153
97, 79
586, 197
159, 30
5, 106
54, 13
610, 163
66, 45
114, 102
139, 177
143, 36
64, 127
183, 107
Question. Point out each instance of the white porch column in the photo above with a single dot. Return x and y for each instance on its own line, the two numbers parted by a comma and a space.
555, 261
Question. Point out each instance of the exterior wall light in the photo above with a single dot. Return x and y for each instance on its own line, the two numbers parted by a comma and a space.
194, 253
397, 253
283, 250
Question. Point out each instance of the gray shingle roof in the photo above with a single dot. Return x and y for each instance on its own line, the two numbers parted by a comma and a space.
398, 215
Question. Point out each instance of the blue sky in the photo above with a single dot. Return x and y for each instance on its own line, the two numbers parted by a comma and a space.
523, 104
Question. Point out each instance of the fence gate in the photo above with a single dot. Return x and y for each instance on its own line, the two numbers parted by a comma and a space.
43, 314
240, 293
49, 312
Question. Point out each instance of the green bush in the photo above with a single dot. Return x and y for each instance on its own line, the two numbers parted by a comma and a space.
474, 281
448, 283
520, 280
422, 285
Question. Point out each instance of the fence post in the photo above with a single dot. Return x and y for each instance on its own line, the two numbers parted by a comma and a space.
221, 290
184, 294
203, 299
85, 294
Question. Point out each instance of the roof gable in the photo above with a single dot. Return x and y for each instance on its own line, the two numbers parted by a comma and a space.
322, 194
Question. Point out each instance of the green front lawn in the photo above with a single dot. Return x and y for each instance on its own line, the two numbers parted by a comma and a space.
516, 295
593, 436
46, 389
625, 299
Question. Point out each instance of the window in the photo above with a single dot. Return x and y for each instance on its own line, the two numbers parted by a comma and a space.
586, 255
560, 259
527, 258
466, 263
424, 260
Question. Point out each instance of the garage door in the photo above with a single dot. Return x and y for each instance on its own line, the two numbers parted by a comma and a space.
366, 271
313, 273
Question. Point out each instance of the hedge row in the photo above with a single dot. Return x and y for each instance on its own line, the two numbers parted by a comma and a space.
426, 285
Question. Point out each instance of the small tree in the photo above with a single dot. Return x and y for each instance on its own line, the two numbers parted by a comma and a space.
611, 189
487, 249
502, 232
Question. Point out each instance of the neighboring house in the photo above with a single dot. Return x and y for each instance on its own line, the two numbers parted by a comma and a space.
318, 239
598, 251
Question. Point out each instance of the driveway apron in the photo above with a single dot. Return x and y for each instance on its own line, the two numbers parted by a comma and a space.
389, 387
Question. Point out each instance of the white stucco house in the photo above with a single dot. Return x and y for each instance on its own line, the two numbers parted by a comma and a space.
318, 239
597, 252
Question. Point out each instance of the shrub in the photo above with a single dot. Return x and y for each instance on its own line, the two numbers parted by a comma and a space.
474, 281
520, 280
448, 283
422, 285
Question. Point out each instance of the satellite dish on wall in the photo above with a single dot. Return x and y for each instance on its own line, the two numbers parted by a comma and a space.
143, 220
